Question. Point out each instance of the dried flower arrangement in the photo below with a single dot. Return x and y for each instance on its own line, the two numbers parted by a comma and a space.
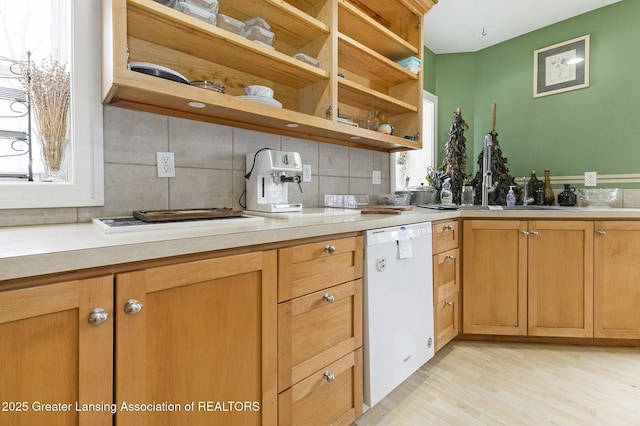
49, 89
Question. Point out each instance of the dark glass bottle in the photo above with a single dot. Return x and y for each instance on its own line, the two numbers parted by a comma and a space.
531, 185
549, 198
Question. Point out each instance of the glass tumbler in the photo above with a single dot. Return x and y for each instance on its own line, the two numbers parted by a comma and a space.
468, 195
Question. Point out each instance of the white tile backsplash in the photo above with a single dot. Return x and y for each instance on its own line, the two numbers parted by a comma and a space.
133, 137
203, 145
210, 168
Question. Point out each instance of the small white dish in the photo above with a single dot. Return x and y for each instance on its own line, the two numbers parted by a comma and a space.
256, 90
262, 100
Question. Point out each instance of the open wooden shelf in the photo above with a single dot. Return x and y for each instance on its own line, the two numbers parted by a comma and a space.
156, 95
158, 24
357, 25
367, 99
290, 24
369, 64
347, 37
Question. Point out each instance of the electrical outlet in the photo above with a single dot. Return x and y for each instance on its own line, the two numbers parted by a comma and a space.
590, 178
376, 177
306, 172
166, 164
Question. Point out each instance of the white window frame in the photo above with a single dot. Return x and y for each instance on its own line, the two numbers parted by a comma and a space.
86, 185
425, 157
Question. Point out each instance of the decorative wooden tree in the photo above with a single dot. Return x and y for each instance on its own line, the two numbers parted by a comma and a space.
455, 161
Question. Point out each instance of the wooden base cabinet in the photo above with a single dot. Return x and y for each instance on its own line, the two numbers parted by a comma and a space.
560, 278
446, 282
528, 278
320, 333
327, 397
56, 353
201, 332
494, 267
617, 279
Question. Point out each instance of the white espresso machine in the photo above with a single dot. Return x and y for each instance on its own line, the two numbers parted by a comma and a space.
269, 173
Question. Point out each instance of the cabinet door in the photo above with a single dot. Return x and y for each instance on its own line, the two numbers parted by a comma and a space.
617, 279
494, 290
51, 354
446, 321
311, 267
445, 236
561, 278
446, 274
201, 333
331, 396
317, 329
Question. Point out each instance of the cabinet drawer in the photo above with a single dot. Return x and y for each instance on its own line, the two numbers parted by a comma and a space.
446, 274
317, 329
446, 320
445, 236
312, 267
318, 401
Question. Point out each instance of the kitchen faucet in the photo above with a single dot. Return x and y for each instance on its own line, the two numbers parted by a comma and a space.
487, 184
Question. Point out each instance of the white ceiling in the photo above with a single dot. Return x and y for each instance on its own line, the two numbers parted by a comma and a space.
454, 26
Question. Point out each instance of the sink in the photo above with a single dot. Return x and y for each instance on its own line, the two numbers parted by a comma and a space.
533, 207
519, 207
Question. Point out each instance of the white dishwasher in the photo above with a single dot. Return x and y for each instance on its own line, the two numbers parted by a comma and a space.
398, 306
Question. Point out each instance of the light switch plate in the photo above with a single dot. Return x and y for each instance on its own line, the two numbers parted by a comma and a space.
376, 177
306, 172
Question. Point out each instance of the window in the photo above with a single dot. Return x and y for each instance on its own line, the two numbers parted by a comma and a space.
72, 33
414, 164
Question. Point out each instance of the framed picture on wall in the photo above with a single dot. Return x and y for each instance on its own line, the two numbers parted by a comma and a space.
561, 67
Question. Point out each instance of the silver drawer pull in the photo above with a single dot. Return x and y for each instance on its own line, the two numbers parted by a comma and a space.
329, 298
329, 377
450, 256
98, 316
601, 232
330, 249
132, 306
449, 227
448, 303
534, 233
525, 233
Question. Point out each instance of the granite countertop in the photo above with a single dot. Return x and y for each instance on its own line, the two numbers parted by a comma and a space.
45, 249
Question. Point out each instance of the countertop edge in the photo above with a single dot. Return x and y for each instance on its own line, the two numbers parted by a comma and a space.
48, 249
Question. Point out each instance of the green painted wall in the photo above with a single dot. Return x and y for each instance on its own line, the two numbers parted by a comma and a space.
429, 70
589, 129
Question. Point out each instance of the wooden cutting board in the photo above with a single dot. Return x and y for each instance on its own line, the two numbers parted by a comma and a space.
168, 215
384, 209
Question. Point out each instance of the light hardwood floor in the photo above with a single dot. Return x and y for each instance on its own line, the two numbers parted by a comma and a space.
488, 383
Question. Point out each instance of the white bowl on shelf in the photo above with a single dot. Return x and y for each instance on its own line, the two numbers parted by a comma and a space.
257, 90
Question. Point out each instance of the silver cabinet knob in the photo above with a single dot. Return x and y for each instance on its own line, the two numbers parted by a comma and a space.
329, 377
449, 227
98, 316
534, 233
450, 257
329, 298
601, 232
525, 233
132, 306
448, 303
330, 249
